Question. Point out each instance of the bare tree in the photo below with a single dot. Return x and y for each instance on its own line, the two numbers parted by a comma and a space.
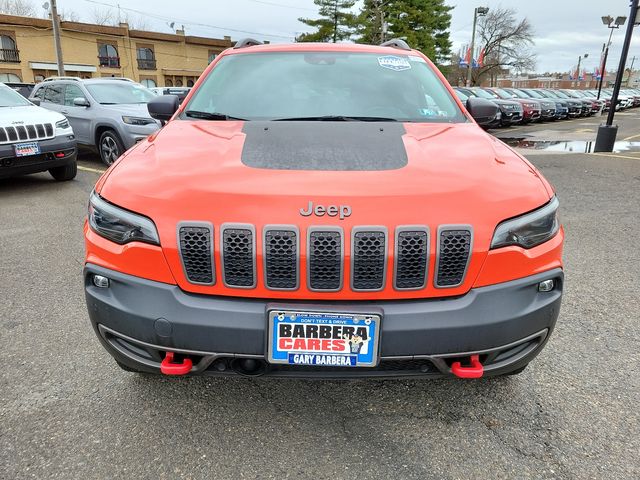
68, 16
135, 22
23, 8
104, 16
507, 44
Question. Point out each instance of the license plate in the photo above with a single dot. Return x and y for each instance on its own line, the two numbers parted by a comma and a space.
27, 149
323, 339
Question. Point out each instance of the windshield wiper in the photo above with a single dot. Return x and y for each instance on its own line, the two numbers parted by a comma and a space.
336, 118
209, 115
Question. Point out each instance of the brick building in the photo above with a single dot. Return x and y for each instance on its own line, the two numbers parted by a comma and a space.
27, 52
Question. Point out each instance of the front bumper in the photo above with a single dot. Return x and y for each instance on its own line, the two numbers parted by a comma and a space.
139, 320
10, 165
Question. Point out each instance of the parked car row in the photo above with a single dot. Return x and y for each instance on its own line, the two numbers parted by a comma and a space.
525, 105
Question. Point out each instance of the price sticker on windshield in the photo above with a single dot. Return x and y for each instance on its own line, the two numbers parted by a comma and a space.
395, 63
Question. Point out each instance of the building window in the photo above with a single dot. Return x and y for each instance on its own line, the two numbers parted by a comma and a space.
149, 83
168, 82
108, 56
9, 77
178, 82
8, 50
189, 83
146, 58
38, 78
212, 56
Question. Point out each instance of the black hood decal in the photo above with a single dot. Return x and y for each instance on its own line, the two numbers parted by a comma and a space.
322, 145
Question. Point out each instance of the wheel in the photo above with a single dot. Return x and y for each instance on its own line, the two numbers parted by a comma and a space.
64, 173
110, 147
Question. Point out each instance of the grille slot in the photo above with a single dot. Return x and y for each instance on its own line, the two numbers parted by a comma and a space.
40, 130
238, 255
48, 128
325, 259
368, 258
281, 257
411, 257
196, 252
454, 248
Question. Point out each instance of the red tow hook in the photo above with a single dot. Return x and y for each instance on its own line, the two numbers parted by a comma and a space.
474, 371
168, 367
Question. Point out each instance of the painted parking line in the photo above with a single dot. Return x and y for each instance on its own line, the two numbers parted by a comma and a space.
631, 137
615, 155
93, 170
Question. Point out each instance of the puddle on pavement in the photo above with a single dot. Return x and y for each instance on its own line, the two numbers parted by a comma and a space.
576, 146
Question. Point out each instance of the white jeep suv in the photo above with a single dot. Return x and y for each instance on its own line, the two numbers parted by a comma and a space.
33, 139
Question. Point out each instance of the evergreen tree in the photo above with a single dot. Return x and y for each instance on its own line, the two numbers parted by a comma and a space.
336, 22
424, 24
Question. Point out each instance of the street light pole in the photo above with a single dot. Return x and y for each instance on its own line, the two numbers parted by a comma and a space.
585, 56
478, 11
606, 138
55, 20
612, 25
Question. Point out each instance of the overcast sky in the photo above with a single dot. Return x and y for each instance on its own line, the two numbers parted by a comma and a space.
564, 29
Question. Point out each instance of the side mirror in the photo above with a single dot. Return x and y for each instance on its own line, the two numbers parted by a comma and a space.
35, 101
483, 111
163, 107
81, 102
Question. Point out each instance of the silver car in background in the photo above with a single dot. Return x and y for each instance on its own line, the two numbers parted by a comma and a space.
107, 114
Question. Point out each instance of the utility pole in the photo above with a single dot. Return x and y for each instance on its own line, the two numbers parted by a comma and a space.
633, 60
56, 37
586, 55
606, 138
478, 11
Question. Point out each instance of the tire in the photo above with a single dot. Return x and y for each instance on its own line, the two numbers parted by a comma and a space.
110, 147
64, 173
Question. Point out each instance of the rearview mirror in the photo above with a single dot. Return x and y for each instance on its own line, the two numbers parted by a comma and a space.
163, 107
482, 110
81, 102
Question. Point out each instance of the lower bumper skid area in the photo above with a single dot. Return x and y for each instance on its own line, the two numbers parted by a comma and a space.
151, 358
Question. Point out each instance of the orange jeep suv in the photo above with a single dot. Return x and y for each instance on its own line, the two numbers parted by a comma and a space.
323, 210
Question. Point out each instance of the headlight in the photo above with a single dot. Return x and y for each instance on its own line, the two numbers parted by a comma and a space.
138, 121
530, 105
528, 230
63, 124
119, 225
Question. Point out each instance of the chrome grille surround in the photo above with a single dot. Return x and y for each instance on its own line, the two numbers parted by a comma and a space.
205, 260
238, 255
320, 263
419, 239
369, 252
453, 258
272, 263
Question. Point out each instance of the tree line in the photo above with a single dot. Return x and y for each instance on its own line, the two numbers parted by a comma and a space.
506, 40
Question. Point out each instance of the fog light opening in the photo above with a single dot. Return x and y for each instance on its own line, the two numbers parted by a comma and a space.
100, 281
546, 286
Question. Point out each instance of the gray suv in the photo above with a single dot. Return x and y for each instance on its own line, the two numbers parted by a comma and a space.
108, 114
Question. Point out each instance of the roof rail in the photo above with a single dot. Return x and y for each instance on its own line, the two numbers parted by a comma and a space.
122, 79
50, 79
396, 43
247, 42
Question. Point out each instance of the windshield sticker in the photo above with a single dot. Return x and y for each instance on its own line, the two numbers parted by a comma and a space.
415, 58
395, 63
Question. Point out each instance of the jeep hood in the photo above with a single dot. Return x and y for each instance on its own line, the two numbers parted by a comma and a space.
261, 173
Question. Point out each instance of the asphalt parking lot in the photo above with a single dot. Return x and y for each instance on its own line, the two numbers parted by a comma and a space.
67, 411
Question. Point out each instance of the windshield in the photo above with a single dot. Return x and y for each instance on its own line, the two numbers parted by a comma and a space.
321, 85
483, 93
116, 93
11, 98
503, 94
518, 93
545, 94
532, 93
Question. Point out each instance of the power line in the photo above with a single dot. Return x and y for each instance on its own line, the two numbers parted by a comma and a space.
188, 22
293, 7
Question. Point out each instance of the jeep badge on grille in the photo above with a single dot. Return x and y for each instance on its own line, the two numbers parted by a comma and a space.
342, 211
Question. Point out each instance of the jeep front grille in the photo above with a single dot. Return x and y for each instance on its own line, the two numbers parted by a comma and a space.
25, 133
368, 258
454, 248
281, 258
325, 259
282, 264
196, 251
412, 258
238, 256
